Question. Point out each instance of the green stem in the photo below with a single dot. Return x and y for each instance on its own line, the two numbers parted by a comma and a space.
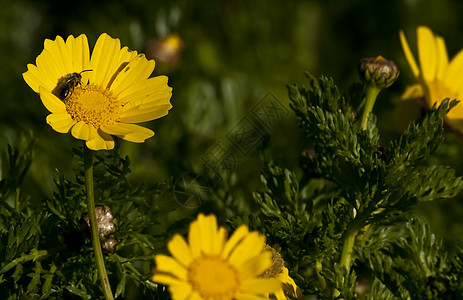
372, 93
348, 248
321, 279
88, 167
17, 204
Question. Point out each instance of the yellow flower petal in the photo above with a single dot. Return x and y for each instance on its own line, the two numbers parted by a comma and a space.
165, 278
166, 263
62, 123
414, 91
180, 291
126, 55
102, 61
427, 53
138, 115
49, 69
442, 58
256, 265
60, 54
208, 230
219, 241
195, 296
51, 102
248, 296
102, 141
80, 54
452, 78
239, 234
250, 246
194, 239
147, 101
409, 55
261, 285
288, 286
143, 89
83, 131
180, 250
137, 70
34, 78
129, 132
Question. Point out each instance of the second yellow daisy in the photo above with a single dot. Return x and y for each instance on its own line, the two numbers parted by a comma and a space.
437, 77
214, 268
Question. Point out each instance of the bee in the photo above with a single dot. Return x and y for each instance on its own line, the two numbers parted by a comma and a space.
66, 84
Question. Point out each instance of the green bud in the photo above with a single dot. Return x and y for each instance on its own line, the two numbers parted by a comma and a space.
378, 71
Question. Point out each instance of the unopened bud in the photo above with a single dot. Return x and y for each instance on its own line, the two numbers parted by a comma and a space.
104, 220
109, 245
378, 71
166, 51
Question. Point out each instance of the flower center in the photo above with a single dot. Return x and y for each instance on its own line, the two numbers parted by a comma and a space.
213, 278
93, 105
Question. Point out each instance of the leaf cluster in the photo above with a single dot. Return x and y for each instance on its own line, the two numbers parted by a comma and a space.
353, 184
48, 252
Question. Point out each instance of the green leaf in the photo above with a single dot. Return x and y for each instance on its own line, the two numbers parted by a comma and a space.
120, 289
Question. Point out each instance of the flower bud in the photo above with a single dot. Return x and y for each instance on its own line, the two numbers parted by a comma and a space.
104, 220
378, 71
109, 245
166, 51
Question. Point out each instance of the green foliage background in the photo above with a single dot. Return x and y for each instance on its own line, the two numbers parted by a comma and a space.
234, 53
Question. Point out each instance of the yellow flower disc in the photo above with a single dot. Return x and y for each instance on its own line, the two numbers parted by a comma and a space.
213, 278
93, 105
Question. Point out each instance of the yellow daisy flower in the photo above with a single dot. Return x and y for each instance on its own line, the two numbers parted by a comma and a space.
438, 77
214, 268
100, 95
288, 289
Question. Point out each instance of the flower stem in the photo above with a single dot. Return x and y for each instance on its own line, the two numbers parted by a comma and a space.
88, 168
348, 248
372, 93
17, 204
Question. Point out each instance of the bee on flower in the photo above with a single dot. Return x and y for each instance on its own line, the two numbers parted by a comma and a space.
98, 96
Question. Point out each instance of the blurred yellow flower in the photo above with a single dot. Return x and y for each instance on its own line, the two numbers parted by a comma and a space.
166, 50
288, 289
99, 96
438, 78
214, 268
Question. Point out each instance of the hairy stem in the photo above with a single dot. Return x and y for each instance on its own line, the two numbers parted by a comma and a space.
88, 167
